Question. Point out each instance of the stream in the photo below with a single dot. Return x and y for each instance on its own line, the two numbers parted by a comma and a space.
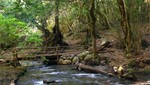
64, 75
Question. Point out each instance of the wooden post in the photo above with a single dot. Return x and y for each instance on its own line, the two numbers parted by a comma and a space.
57, 53
15, 60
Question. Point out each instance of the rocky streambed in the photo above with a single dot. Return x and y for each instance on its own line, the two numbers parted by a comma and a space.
85, 57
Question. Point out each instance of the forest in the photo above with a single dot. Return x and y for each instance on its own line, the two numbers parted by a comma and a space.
108, 37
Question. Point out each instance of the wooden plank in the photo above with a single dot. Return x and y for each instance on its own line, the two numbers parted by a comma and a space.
76, 46
50, 55
55, 54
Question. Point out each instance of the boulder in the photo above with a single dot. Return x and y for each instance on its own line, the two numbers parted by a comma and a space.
104, 42
64, 57
75, 59
2, 60
88, 57
69, 58
83, 54
60, 61
66, 62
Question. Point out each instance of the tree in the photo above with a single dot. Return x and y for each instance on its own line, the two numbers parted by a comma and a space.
132, 16
125, 26
37, 13
11, 9
57, 38
93, 21
11, 31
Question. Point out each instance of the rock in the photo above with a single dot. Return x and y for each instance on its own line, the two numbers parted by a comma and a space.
97, 61
130, 76
104, 42
48, 82
72, 56
60, 61
61, 56
75, 59
66, 62
69, 58
88, 57
2, 60
64, 57
83, 54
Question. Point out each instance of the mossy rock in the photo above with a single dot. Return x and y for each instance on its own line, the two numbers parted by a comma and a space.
83, 54
88, 57
97, 61
75, 59
130, 76
66, 62
64, 57
104, 42
60, 61
69, 58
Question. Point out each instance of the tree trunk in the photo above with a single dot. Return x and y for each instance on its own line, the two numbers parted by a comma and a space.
58, 37
47, 35
87, 41
93, 33
125, 26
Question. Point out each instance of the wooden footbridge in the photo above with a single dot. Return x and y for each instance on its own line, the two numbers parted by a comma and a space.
51, 53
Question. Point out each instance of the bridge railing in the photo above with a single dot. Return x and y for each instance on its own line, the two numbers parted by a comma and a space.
24, 52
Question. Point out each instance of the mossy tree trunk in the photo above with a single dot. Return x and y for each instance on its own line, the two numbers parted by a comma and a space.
46, 34
93, 33
125, 26
88, 38
55, 38
58, 37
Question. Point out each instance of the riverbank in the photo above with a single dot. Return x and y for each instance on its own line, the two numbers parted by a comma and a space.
114, 54
9, 74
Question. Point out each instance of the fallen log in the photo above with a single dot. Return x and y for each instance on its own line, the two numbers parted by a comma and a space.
92, 69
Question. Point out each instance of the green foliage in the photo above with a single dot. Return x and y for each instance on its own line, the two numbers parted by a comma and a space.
16, 33
74, 17
31, 11
11, 31
32, 39
138, 11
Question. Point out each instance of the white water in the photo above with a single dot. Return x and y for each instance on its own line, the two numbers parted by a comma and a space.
64, 75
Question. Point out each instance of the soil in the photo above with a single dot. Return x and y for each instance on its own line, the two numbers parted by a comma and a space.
139, 61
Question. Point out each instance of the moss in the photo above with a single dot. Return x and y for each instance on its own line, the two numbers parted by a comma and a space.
75, 59
8, 73
146, 70
132, 63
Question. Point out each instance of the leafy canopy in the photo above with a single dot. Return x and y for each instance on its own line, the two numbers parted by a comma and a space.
14, 32
11, 31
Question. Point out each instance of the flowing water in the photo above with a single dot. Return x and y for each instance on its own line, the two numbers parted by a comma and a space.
65, 75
